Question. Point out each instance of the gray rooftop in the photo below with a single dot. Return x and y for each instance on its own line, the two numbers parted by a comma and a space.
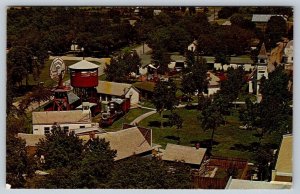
262, 17
83, 65
248, 184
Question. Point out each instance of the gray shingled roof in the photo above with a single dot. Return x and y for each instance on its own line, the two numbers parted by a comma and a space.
50, 117
127, 142
83, 65
189, 155
113, 88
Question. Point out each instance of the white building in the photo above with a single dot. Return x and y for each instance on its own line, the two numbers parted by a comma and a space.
261, 70
108, 90
42, 122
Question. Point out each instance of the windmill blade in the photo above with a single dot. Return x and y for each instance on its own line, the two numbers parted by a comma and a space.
57, 69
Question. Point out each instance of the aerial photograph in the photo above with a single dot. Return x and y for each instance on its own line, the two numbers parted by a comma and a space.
149, 97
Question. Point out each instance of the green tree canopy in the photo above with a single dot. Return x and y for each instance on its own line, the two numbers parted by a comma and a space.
60, 149
142, 173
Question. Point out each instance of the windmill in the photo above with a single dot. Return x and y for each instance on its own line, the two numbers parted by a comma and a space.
57, 72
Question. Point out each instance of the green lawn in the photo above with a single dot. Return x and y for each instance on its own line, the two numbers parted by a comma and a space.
129, 117
230, 141
45, 75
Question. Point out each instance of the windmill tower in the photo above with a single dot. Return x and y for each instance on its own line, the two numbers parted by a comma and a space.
57, 72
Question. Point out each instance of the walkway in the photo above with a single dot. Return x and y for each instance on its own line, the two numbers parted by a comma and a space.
143, 116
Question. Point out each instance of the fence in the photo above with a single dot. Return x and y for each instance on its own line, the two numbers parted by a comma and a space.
208, 183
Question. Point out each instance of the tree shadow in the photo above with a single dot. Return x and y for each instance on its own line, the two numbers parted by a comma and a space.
172, 137
154, 124
204, 143
191, 107
241, 147
157, 124
166, 116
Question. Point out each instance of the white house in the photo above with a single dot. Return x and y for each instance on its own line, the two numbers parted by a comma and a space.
67, 120
108, 90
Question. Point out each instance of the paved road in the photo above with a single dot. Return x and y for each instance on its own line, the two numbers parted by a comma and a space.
141, 117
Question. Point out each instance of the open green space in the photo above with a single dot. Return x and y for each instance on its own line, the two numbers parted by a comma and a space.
229, 140
127, 118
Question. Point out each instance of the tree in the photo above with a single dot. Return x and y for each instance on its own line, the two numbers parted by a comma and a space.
199, 75
97, 163
263, 159
230, 88
162, 59
18, 165
121, 66
59, 148
175, 119
142, 173
164, 96
20, 64
276, 29
211, 118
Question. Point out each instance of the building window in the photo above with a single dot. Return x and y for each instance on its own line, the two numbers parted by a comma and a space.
82, 127
66, 129
46, 130
35, 129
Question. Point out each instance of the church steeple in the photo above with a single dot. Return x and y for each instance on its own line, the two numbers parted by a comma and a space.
262, 56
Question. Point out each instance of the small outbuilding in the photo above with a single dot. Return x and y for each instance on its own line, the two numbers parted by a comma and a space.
108, 90
188, 155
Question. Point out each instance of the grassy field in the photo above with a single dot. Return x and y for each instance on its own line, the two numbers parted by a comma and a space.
128, 118
229, 140
45, 74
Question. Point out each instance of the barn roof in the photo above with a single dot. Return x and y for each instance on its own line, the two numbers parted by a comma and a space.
127, 142
190, 155
30, 139
50, 117
113, 88
84, 65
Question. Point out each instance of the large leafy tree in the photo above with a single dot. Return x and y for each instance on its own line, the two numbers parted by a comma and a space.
164, 96
121, 66
142, 173
18, 164
60, 149
97, 163
276, 29
230, 88
211, 118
